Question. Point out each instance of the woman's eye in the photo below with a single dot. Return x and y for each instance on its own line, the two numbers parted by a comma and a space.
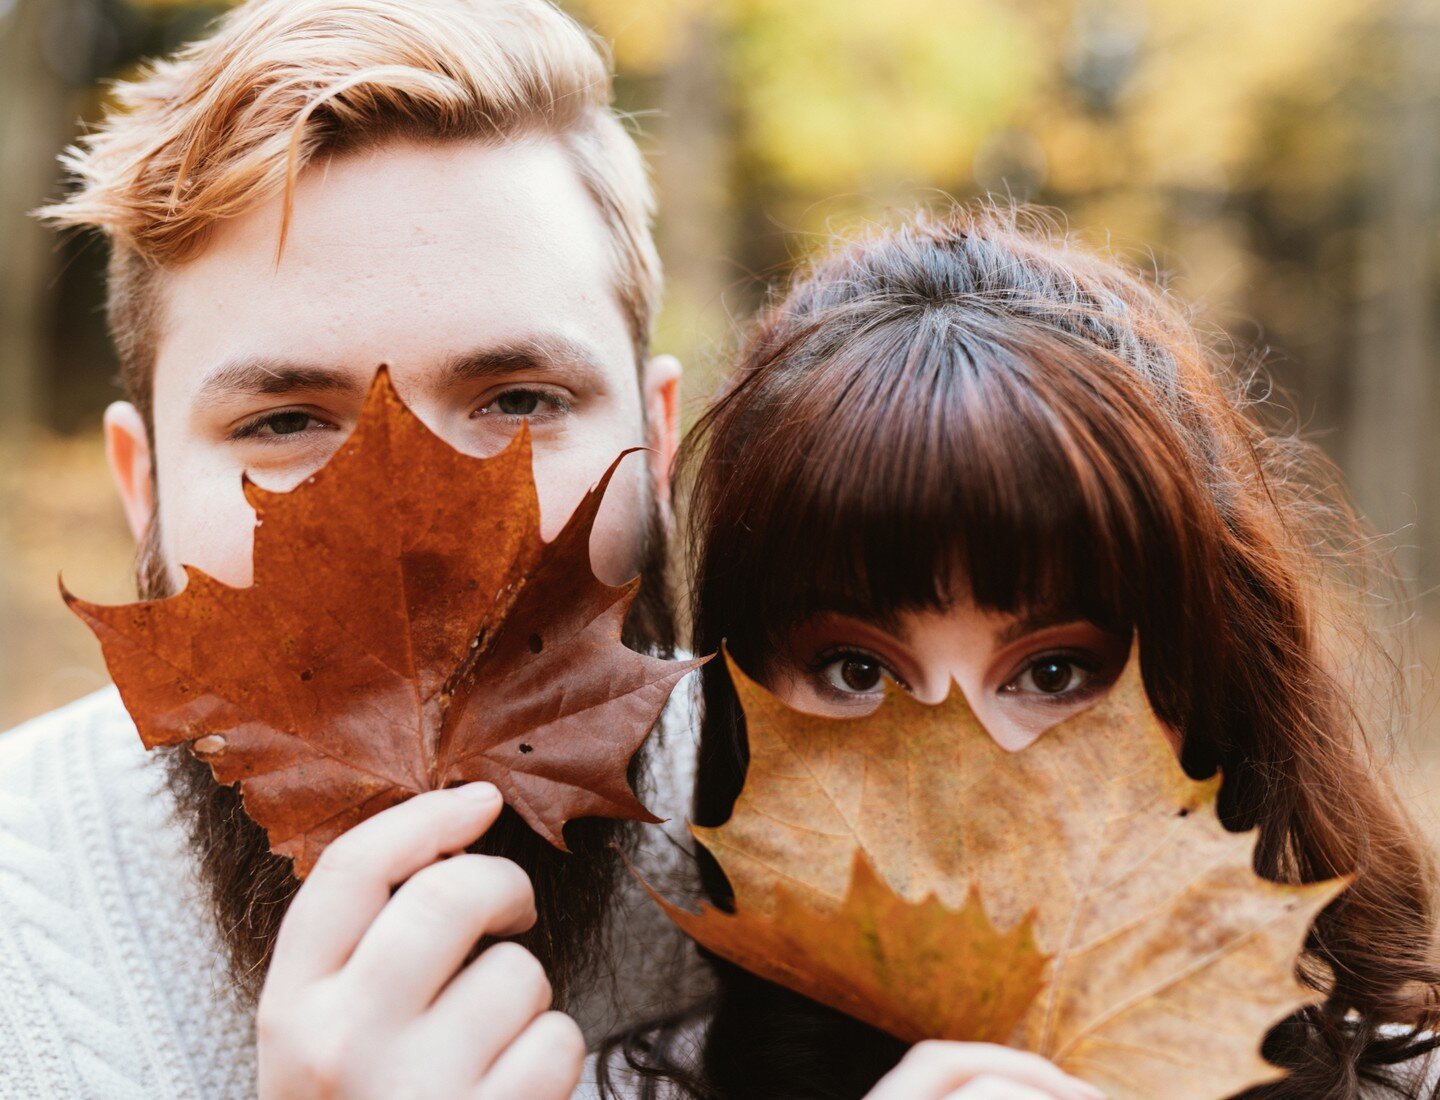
1051, 676
279, 424
524, 403
854, 674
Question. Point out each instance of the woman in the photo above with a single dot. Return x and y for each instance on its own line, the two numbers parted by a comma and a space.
966, 449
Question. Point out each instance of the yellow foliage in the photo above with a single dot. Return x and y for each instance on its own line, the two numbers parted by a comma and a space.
645, 35
840, 94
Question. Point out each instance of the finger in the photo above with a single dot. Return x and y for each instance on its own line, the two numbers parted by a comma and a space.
544, 1063
938, 1068
420, 939
998, 1088
351, 881
481, 1012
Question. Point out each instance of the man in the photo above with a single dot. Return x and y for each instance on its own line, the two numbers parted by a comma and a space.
320, 187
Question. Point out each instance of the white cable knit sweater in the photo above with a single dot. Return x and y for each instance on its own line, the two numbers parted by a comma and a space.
112, 981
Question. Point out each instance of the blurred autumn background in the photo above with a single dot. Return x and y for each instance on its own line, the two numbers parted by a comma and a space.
1279, 160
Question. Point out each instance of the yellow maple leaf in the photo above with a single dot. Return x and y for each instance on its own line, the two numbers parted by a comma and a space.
1161, 958
879, 957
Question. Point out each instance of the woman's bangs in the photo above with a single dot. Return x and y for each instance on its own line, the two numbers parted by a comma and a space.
949, 467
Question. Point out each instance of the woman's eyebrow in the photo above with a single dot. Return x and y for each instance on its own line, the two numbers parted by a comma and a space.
889, 621
1031, 621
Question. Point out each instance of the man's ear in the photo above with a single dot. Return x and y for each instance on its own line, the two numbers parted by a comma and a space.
660, 388
127, 447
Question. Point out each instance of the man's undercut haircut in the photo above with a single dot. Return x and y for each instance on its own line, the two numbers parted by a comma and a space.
229, 122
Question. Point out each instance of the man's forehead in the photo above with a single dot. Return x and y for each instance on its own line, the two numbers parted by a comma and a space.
439, 188
464, 254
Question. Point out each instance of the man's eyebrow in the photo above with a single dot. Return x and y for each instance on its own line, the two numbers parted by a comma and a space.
257, 377
542, 354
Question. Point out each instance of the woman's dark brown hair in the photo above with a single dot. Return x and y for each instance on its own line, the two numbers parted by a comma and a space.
971, 406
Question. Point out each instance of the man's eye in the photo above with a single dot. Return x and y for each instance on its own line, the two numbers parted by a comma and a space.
279, 424
523, 403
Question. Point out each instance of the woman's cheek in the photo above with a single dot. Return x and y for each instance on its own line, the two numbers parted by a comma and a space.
796, 688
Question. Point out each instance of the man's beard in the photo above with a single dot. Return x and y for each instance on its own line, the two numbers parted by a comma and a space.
249, 888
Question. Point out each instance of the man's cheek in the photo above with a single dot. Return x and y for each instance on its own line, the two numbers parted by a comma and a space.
213, 531
617, 545
563, 478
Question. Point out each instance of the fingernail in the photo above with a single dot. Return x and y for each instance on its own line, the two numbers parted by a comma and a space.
480, 792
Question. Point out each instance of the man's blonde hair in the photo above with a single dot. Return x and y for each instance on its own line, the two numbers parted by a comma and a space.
229, 121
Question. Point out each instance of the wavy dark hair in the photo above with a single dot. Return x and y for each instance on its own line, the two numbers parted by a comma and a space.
971, 405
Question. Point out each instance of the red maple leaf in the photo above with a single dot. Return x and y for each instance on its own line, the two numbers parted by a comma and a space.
407, 629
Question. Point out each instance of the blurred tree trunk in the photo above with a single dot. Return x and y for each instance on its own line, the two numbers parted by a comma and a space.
33, 125
1392, 448
693, 176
